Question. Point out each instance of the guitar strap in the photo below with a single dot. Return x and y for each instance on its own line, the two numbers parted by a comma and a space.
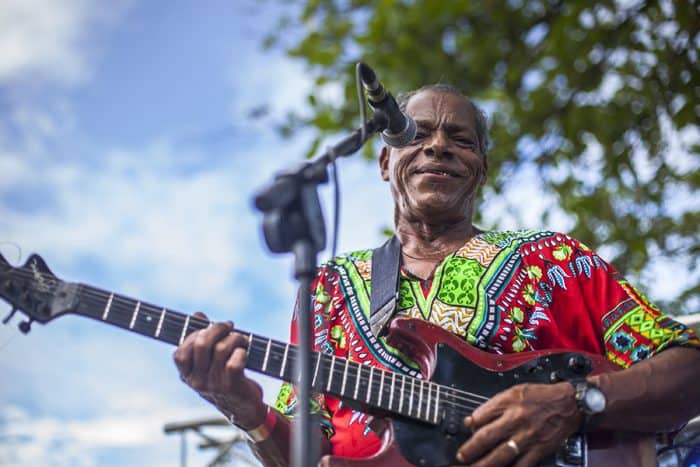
384, 292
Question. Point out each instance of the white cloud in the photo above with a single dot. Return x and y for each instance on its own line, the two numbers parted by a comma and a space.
43, 440
47, 40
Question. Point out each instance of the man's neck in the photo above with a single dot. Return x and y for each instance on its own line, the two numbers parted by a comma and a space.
432, 241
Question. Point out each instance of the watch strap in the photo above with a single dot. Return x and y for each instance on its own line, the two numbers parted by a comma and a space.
590, 418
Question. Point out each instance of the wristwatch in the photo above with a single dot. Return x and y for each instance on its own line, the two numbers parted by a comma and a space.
591, 402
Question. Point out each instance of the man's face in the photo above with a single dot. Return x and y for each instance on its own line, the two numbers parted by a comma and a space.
435, 178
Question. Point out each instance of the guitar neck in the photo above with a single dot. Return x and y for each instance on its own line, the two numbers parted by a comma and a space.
373, 389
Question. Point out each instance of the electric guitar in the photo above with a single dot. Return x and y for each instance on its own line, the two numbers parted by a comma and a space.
425, 413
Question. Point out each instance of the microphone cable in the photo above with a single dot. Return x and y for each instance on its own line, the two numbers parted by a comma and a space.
362, 101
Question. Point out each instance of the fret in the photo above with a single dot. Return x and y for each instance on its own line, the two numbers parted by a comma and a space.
428, 401
391, 394
381, 389
184, 329
410, 401
250, 343
330, 374
437, 403
420, 398
358, 376
133, 317
284, 360
267, 355
107, 307
345, 377
369, 385
160, 323
318, 364
403, 383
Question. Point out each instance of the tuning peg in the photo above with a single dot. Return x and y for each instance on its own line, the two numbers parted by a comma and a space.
26, 326
9, 316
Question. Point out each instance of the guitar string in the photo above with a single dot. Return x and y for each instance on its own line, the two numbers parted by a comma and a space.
117, 309
179, 320
127, 310
450, 399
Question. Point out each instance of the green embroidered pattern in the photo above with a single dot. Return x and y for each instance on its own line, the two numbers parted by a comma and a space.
459, 281
406, 299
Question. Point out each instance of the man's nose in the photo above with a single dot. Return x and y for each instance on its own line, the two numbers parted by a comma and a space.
437, 145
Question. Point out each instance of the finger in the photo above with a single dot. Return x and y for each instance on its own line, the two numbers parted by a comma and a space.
485, 440
502, 455
199, 314
203, 347
183, 360
529, 459
222, 352
493, 408
235, 365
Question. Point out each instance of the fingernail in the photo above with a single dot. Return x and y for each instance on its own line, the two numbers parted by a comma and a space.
460, 457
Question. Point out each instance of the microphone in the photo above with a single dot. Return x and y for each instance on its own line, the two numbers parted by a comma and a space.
401, 129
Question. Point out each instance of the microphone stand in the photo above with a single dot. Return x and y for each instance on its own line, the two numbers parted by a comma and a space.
293, 222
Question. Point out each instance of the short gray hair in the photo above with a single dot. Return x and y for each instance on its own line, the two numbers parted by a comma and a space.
482, 130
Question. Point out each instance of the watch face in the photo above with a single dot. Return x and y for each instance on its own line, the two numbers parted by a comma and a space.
594, 399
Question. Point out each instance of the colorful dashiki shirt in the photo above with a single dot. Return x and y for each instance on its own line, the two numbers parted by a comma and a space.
503, 292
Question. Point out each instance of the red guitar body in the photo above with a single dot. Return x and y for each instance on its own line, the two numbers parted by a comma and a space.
426, 343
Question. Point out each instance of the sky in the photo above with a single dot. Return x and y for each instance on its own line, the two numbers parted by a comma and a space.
128, 161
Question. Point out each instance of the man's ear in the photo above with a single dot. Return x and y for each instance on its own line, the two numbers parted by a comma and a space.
384, 163
485, 175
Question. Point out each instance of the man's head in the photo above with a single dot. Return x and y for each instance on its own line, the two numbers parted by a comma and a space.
481, 126
435, 178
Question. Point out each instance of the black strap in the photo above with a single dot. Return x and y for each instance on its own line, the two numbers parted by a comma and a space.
385, 284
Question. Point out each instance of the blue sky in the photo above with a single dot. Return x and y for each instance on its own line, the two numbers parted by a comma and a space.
128, 161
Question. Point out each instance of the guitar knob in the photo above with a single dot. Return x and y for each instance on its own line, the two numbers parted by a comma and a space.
25, 326
579, 364
9, 316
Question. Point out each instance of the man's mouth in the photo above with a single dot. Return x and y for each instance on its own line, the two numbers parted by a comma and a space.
440, 172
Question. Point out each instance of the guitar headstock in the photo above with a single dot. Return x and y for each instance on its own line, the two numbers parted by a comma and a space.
35, 291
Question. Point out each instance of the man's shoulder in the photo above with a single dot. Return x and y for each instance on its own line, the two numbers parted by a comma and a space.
355, 256
510, 238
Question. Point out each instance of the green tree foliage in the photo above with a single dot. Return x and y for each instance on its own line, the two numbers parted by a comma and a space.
601, 97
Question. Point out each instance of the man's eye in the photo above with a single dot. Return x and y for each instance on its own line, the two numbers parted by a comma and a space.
464, 141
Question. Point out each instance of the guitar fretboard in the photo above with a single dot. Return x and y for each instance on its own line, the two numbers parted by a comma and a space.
372, 388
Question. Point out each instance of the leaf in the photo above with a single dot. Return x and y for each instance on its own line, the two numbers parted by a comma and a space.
594, 107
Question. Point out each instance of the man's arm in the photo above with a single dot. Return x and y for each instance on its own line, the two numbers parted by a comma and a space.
658, 394
212, 362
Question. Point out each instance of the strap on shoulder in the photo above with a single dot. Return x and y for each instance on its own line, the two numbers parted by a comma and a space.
385, 283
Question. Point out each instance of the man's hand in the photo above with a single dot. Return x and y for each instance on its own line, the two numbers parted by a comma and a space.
521, 425
211, 361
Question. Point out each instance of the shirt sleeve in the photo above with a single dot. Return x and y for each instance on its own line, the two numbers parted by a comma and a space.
597, 310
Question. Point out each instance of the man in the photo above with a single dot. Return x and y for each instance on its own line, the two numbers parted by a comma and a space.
552, 292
